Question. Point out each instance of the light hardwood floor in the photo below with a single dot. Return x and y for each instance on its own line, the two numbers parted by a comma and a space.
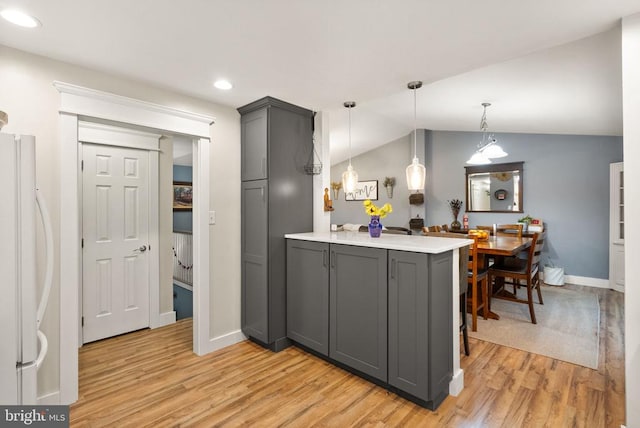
151, 378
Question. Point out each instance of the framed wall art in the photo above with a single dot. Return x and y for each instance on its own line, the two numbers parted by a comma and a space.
364, 190
182, 196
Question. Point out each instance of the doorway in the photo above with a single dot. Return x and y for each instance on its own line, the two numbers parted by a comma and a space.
182, 243
78, 103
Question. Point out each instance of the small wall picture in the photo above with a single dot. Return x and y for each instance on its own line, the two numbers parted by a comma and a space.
500, 194
364, 190
182, 196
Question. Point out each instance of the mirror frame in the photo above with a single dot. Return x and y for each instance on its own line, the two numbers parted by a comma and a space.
496, 167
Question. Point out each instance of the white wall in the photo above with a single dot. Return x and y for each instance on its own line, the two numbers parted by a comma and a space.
32, 103
631, 113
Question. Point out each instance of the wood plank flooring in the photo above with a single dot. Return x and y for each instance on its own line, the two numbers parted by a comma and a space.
152, 378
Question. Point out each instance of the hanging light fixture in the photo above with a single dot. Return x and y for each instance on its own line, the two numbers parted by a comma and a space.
350, 176
416, 172
487, 148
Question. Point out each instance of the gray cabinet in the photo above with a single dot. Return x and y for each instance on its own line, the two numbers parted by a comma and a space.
440, 326
254, 145
276, 140
308, 294
358, 309
384, 313
420, 325
255, 291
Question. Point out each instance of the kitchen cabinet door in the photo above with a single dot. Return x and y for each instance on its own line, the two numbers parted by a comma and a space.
409, 322
254, 145
358, 308
420, 324
308, 294
254, 260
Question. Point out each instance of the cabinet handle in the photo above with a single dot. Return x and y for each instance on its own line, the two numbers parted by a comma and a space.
262, 193
393, 268
324, 258
333, 259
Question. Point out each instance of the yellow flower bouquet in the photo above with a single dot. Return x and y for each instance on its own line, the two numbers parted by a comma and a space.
373, 210
375, 227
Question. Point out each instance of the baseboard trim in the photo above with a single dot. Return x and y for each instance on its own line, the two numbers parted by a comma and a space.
163, 319
457, 383
51, 399
583, 280
587, 281
223, 341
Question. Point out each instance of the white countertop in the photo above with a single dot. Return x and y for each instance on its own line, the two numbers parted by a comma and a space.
414, 243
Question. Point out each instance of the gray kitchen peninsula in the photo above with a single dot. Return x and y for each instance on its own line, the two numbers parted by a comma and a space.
382, 308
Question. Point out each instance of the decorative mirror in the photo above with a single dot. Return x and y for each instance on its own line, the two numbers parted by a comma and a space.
495, 187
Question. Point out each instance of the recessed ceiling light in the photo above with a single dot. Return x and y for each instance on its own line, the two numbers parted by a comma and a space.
20, 18
225, 85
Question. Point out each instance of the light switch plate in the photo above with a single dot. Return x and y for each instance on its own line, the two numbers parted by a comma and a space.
212, 217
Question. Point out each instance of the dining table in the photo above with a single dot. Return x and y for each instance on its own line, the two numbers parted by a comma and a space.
500, 246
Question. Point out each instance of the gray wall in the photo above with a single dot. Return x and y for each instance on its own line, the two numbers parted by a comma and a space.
565, 179
566, 183
389, 160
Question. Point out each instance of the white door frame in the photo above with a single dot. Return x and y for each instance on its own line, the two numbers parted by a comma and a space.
77, 103
616, 244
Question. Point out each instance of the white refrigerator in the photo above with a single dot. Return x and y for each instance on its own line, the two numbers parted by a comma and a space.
23, 347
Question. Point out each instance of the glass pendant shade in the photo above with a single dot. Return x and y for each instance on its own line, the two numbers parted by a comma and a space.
349, 180
416, 173
487, 148
493, 151
478, 158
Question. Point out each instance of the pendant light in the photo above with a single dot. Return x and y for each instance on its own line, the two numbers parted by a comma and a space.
487, 148
350, 176
416, 172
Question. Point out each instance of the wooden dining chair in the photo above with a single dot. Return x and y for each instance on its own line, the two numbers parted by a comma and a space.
436, 228
509, 230
518, 270
433, 228
504, 229
487, 228
477, 277
512, 230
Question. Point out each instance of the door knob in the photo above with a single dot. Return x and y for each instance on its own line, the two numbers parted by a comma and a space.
141, 249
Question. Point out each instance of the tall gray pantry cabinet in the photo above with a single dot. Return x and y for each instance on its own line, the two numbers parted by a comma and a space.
276, 142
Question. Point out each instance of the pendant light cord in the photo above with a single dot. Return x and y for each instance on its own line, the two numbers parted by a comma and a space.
349, 136
415, 85
349, 105
415, 125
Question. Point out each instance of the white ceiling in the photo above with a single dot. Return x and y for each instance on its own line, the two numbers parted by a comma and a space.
320, 53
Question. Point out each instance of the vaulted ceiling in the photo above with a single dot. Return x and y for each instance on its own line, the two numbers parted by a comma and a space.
550, 66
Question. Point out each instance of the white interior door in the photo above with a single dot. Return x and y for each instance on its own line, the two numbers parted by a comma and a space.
115, 230
616, 227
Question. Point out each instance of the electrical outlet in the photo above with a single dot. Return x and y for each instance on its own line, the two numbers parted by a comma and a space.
212, 217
